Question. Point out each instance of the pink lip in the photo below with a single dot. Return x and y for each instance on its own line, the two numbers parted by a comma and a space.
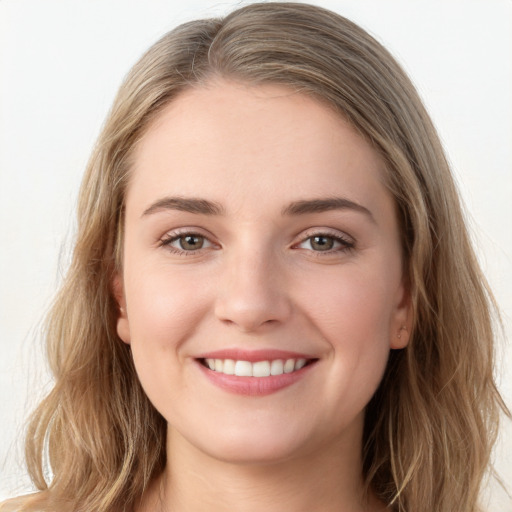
254, 386
253, 356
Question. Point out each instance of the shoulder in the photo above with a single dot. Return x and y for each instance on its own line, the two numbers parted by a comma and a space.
40, 501
27, 503
12, 505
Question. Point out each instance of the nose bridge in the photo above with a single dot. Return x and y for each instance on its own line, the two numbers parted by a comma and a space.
252, 292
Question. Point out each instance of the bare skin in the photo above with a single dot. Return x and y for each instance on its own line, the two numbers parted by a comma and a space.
320, 483
257, 224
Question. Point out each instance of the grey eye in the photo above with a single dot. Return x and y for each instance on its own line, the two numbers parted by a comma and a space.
191, 242
321, 243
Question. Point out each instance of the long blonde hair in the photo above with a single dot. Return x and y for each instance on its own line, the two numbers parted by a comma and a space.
431, 425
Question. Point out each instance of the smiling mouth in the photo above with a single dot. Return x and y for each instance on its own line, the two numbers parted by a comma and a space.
267, 368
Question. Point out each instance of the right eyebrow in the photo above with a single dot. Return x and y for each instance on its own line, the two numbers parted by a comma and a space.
307, 206
189, 204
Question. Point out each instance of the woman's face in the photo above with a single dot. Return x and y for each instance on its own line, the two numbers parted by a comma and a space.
259, 237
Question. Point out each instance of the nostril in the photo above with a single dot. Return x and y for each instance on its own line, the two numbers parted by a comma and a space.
251, 300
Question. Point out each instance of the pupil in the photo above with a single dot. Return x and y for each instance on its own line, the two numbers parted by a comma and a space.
322, 243
191, 242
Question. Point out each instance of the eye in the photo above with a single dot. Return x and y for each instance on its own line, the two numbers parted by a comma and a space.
323, 242
190, 242
185, 242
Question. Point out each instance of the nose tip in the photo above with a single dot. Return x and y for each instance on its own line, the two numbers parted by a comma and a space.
252, 299
247, 321
248, 317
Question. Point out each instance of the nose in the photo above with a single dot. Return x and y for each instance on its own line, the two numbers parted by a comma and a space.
252, 293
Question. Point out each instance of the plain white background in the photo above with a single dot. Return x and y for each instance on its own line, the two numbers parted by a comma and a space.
60, 65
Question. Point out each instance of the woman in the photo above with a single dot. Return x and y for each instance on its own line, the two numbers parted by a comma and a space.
273, 301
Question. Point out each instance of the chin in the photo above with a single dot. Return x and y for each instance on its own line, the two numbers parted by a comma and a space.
254, 454
261, 446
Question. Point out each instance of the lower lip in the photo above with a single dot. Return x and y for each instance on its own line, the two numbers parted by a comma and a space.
254, 386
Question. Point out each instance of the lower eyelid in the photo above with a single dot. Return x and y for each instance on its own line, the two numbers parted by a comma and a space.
345, 242
170, 238
170, 242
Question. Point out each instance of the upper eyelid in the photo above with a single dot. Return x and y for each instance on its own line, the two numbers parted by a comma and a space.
187, 230
332, 232
346, 242
338, 239
298, 238
169, 238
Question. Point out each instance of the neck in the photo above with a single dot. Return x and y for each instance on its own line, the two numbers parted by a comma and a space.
327, 480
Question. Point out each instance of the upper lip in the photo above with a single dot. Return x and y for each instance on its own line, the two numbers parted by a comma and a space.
253, 356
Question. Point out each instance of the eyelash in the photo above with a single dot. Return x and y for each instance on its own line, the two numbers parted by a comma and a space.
346, 244
169, 238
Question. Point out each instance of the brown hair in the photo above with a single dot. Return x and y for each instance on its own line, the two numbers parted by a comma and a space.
431, 425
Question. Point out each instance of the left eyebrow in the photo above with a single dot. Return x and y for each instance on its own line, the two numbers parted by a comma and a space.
306, 206
185, 204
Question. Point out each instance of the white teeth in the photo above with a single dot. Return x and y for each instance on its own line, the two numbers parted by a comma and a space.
289, 366
261, 369
258, 369
243, 369
229, 367
276, 367
300, 364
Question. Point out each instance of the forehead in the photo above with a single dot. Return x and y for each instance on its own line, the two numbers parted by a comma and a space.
226, 140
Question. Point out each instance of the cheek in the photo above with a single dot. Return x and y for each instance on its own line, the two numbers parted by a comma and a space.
163, 307
350, 311
164, 310
353, 312
353, 305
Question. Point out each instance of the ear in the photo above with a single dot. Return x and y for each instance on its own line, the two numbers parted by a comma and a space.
123, 325
401, 321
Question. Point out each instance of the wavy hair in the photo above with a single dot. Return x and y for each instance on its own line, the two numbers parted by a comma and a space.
431, 425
